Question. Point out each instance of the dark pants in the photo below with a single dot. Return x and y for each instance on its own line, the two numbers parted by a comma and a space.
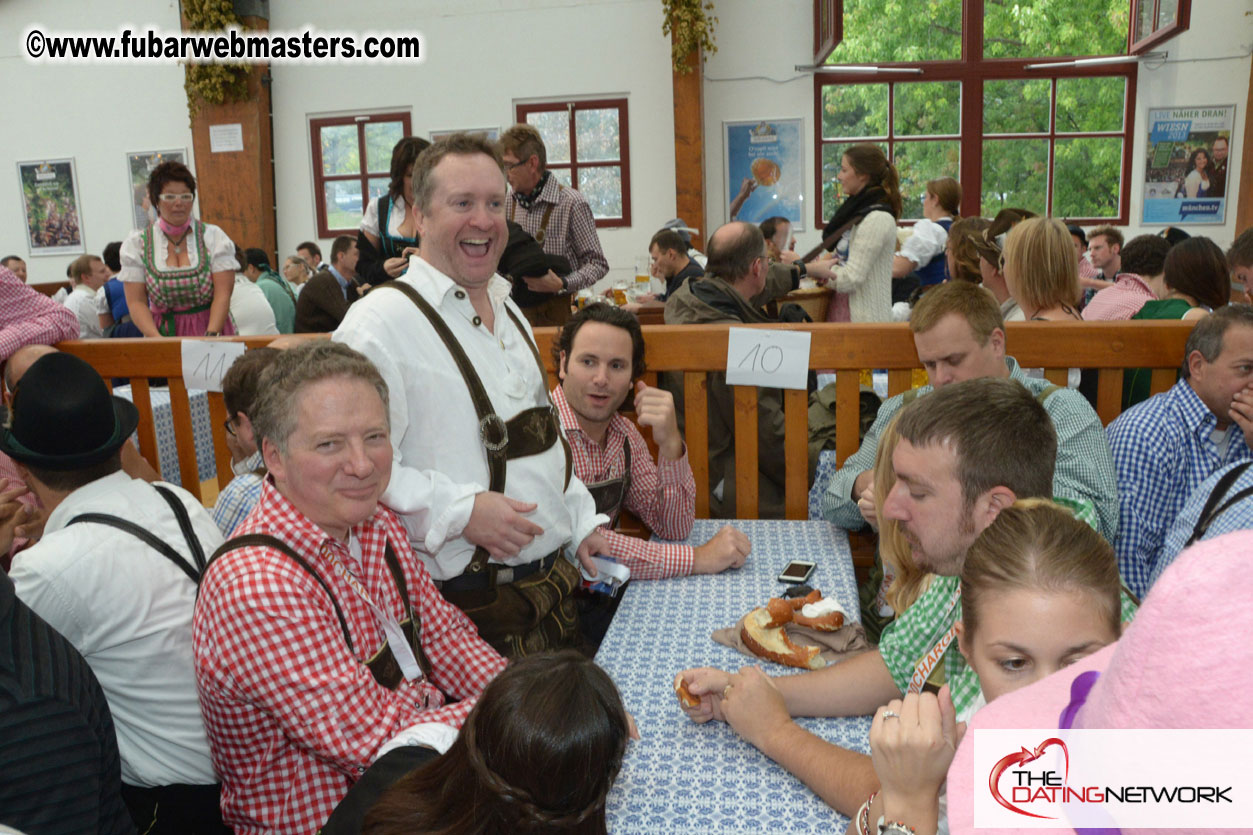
531, 615
176, 810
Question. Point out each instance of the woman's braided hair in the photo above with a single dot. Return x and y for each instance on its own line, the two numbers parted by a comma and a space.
539, 752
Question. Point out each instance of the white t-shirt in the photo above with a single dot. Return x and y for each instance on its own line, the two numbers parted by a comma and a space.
250, 310
82, 303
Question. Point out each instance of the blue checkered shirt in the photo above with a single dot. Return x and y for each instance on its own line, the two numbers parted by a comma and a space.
1237, 517
239, 497
1163, 449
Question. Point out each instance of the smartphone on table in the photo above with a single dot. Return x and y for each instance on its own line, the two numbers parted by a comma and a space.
797, 571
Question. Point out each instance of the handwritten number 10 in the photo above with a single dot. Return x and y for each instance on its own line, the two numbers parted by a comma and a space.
768, 359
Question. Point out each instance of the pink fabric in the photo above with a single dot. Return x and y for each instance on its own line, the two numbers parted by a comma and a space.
194, 324
837, 309
8, 472
170, 229
1173, 668
28, 317
1122, 301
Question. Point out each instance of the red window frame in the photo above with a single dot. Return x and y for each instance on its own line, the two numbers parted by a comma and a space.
574, 166
972, 71
828, 28
1183, 18
364, 177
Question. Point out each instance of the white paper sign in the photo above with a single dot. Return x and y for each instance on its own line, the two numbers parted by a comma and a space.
205, 363
760, 357
226, 138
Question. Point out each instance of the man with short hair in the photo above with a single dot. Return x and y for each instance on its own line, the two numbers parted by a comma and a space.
15, 265
239, 391
558, 217
116, 573
1240, 260
312, 255
318, 634
959, 335
966, 452
483, 485
671, 263
1166, 446
738, 280
88, 274
327, 296
600, 353
1218, 177
1104, 248
1143, 266
278, 291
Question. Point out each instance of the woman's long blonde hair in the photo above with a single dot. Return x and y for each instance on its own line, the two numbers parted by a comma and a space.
910, 581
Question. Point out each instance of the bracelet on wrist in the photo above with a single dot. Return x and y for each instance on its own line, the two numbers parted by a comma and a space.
863, 815
895, 828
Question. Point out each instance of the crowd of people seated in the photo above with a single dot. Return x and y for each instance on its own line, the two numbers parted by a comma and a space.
382, 625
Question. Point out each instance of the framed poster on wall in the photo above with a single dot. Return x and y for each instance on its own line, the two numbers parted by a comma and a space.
50, 206
1186, 164
763, 173
139, 167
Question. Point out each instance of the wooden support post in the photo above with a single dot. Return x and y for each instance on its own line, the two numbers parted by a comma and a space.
689, 148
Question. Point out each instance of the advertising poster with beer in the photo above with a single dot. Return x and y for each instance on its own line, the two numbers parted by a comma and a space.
50, 200
765, 163
1187, 163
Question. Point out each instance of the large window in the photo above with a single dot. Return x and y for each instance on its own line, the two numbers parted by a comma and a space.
588, 149
982, 90
352, 159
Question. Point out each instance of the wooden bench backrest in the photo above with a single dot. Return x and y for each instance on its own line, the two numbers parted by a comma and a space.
696, 350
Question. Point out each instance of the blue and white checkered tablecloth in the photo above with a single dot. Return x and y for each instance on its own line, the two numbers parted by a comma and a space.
163, 423
684, 777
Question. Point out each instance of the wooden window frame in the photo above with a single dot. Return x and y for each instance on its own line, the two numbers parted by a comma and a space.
972, 71
1183, 19
828, 28
363, 176
574, 165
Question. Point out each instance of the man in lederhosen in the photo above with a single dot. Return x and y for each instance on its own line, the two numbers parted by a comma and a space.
559, 218
116, 573
483, 483
318, 636
600, 354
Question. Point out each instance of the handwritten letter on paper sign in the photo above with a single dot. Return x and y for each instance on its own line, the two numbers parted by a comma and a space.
760, 357
205, 363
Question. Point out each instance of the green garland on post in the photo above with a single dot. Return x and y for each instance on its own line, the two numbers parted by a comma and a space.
213, 83
692, 26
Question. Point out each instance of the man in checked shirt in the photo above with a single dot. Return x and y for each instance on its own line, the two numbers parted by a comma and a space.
318, 635
599, 353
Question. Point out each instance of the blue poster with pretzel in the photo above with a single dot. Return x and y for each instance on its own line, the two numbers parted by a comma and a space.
1187, 160
765, 164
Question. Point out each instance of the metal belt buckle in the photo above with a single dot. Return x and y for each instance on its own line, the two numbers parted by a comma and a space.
493, 420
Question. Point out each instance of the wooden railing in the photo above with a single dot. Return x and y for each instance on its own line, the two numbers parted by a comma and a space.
695, 350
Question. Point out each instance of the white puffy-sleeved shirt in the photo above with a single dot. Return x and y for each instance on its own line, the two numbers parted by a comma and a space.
440, 463
82, 303
370, 220
927, 241
219, 245
128, 609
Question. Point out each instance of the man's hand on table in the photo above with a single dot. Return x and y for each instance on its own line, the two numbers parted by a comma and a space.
865, 503
729, 548
754, 707
594, 543
707, 684
498, 524
654, 408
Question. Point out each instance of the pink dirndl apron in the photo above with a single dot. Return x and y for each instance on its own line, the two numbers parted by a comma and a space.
180, 298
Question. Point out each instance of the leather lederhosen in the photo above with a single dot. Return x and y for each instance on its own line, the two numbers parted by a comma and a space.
610, 493
537, 612
596, 609
382, 664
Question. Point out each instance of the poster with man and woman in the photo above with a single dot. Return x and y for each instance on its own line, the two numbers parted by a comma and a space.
1186, 161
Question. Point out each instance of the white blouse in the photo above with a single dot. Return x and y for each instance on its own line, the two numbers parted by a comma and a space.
370, 220
221, 252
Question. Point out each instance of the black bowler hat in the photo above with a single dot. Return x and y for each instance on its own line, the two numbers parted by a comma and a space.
63, 417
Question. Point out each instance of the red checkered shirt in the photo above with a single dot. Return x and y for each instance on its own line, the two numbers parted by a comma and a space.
571, 231
292, 717
662, 494
1122, 301
28, 317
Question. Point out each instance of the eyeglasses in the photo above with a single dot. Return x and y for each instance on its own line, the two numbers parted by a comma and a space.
229, 426
512, 165
176, 198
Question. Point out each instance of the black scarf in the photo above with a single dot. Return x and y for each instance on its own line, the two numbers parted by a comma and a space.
526, 200
853, 209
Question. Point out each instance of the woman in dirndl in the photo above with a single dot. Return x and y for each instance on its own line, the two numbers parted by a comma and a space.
179, 271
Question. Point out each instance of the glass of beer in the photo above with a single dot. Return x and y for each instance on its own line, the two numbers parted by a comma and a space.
620, 293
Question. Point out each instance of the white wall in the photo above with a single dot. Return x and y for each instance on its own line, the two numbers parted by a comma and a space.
482, 57
752, 76
96, 113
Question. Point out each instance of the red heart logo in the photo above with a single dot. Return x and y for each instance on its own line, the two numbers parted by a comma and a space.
1023, 757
